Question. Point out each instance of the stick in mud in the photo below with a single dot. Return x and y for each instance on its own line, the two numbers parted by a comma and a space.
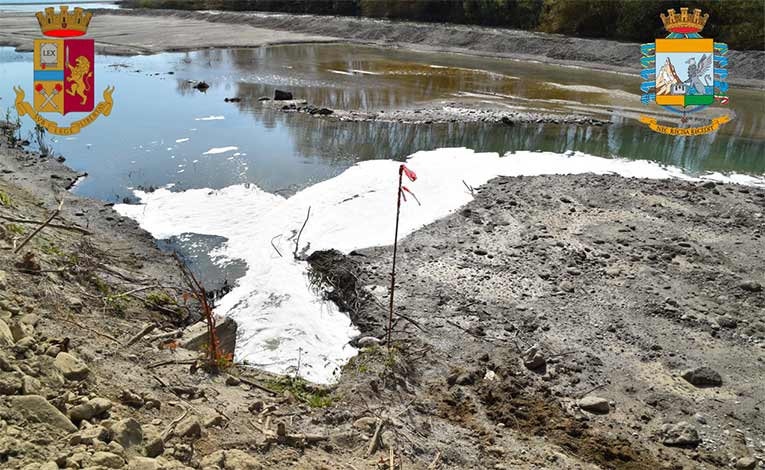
395, 249
44, 224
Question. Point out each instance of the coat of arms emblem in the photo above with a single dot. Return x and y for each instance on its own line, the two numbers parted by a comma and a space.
684, 72
64, 72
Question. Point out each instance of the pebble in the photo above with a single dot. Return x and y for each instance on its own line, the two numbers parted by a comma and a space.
681, 434
703, 377
127, 432
595, 405
71, 367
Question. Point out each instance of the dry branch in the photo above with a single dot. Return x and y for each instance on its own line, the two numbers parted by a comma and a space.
42, 226
297, 241
148, 329
37, 222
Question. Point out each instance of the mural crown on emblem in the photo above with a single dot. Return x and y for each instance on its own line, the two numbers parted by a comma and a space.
65, 23
684, 23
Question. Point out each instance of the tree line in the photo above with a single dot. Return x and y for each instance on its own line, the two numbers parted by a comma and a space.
740, 23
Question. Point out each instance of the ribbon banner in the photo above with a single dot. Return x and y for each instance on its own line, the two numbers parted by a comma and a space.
104, 107
716, 122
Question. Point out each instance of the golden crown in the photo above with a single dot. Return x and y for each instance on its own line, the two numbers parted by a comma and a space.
684, 23
64, 23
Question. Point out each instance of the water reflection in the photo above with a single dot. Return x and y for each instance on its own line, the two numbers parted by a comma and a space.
162, 129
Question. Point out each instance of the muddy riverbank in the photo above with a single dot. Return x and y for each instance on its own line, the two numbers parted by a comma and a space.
622, 285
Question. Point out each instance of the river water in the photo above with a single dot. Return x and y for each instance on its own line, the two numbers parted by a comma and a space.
163, 133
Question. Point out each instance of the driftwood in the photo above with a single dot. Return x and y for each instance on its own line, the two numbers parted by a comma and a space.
434, 464
168, 433
42, 226
258, 386
37, 222
148, 329
375, 442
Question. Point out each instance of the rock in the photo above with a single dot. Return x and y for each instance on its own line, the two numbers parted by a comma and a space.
681, 434
280, 95
195, 336
215, 421
143, 463
727, 322
26, 343
233, 459
746, 463
6, 337
703, 377
82, 412
202, 86
533, 359
49, 466
100, 405
37, 409
232, 381
595, 405
368, 342
30, 386
75, 303
154, 447
71, 367
566, 286
189, 427
366, 424
108, 460
10, 383
127, 432
95, 433
751, 286
324, 112
131, 399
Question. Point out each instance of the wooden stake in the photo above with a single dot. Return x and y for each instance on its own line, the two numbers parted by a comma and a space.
395, 250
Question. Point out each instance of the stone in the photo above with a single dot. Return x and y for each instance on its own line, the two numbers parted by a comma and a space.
95, 433
6, 337
746, 463
233, 459
595, 405
533, 359
189, 427
31, 386
195, 336
368, 342
727, 322
37, 409
100, 405
154, 447
703, 377
82, 412
11, 383
143, 463
127, 432
71, 367
215, 421
367, 424
24, 344
108, 460
751, 286
566, 286
280, 95
681, 434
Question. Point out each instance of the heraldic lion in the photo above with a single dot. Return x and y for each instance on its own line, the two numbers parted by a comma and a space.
79, 75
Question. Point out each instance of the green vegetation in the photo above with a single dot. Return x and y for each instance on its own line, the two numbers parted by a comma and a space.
5, 200
312, 395
15, 228
740, 23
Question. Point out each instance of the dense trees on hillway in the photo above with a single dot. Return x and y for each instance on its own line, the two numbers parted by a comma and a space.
740, 23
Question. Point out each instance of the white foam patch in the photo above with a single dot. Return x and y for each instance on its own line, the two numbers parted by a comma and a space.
209, 118
180, 141
339, 72
278, 315
219, 150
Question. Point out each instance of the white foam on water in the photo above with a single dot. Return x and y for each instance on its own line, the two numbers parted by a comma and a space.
179, 141
209, 118
279, 317
219, 150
